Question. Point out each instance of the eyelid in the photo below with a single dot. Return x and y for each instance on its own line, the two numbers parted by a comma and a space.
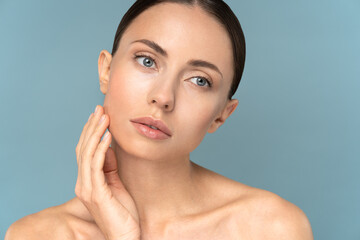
141, 54
137, 55
208, 80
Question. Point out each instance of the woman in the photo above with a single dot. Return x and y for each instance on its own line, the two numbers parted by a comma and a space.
169, 80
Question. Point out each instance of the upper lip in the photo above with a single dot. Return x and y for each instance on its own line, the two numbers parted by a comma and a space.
153, 122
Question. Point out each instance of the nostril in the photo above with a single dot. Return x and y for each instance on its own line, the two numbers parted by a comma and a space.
166, 106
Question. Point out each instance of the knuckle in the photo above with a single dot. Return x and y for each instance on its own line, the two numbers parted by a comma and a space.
86, 125
83, 148
80, 149
91, 136
93, 168
101, 146
97, 131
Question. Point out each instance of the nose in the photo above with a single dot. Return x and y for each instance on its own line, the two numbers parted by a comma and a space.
163, 95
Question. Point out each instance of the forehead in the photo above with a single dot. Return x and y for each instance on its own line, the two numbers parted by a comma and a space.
185, 32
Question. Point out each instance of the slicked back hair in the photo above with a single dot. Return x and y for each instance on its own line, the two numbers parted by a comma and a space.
216, 8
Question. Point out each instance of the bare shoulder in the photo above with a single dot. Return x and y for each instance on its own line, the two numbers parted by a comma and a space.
49, 223
257, 213
272, 217
68, 221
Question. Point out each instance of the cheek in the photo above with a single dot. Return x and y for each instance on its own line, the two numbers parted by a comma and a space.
124, 85
196, 120
123, 98
125, 89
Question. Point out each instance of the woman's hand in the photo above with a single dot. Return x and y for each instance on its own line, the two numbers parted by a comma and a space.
98, 184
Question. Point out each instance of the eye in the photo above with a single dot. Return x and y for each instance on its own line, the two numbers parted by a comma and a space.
201, 81
144, 60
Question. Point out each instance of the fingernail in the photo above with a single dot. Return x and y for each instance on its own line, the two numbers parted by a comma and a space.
106, 136
96, 109
102, 119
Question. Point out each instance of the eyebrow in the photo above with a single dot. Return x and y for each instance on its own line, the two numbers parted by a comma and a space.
192, 62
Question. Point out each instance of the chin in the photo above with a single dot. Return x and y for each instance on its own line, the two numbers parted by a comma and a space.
132, 143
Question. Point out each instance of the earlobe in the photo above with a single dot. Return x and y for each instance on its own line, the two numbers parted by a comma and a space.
104, 62
227, 111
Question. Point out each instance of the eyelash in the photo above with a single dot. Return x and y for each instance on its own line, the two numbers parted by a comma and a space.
147, 56
144, 55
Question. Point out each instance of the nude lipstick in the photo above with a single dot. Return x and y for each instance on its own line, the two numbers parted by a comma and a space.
151, 128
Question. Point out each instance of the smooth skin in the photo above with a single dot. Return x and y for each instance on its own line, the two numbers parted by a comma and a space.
98, 185
146, 189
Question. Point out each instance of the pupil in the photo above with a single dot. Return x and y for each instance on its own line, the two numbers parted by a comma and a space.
201, 81
147, 62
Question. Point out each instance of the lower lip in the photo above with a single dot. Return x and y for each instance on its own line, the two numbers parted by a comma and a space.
149, 132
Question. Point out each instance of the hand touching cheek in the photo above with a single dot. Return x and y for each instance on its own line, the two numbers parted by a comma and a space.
98, 184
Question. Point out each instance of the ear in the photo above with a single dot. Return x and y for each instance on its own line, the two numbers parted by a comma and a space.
104, 62
226, 112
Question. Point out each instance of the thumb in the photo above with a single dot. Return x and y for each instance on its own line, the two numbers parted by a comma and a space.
110, 164
111, 169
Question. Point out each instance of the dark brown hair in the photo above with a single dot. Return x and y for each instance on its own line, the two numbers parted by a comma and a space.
216, 8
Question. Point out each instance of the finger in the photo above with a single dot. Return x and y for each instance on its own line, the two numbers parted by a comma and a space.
97, 174
85, 136
78, 155
111, 169
93, 123
81, 139
89, 151
82, 186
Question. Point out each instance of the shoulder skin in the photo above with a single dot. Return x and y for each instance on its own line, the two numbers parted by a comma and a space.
274, 218
46, 224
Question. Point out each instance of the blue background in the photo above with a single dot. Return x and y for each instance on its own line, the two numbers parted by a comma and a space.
295, 132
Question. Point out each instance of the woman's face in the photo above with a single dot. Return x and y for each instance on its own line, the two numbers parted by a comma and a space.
141, 80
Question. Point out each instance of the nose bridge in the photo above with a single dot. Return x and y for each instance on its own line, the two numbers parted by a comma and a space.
163, 92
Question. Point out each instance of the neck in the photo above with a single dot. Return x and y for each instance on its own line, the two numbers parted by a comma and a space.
162, 189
